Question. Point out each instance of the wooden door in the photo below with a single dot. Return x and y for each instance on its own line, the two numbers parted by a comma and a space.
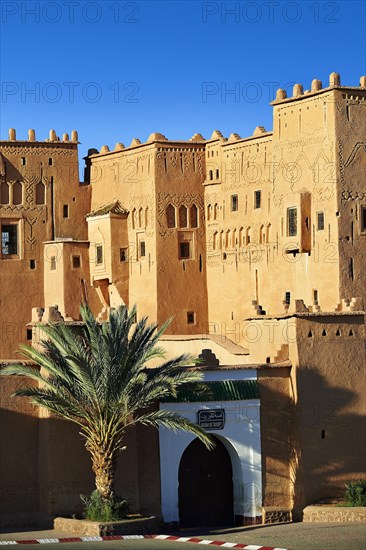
205, 486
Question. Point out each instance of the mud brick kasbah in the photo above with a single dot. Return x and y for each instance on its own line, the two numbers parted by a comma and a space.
256, 247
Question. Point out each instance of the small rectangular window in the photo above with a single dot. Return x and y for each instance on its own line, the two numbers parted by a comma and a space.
257, 199
292, 222
53, 263
23, 161
315, 296
234, 203
99, 254
50, 161
66, 211
123, 254
320, 221
287, 297
191, 317
9, 239
142, 249
76, 262
32, 264
184, 250
363, 219
29, 334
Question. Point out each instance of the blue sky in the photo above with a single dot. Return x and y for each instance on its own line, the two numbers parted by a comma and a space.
114, 70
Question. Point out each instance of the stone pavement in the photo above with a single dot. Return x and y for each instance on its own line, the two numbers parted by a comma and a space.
294, 536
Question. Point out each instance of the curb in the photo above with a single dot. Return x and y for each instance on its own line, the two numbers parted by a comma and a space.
131, 537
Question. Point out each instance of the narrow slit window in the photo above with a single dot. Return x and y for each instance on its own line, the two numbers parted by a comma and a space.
53, 263
363, 219
191, 317
291, 222
99, 254
234, 203
320, 221
66, 211
123, 254
257, 199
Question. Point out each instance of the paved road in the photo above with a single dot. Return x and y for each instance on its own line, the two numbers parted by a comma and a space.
296, 536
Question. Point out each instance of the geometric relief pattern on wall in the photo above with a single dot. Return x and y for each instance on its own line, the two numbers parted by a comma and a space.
182, 161
30, 181
142, 201
177, 200
36, 151
349, 194
31, 221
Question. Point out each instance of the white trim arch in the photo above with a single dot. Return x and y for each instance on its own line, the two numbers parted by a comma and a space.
241, 437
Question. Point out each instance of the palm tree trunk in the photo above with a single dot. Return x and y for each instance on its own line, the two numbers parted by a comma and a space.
104, 468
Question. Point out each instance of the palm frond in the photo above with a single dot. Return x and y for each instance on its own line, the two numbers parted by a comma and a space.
174, 421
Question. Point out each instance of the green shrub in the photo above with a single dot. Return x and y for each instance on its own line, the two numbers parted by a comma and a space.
356, 492
99, 509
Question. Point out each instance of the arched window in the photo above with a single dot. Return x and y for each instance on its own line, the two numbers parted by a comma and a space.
227, 239
209, 212
247, 235
215, 211
133, 218
193, 216
17, 193
267, 232
140, 218
214, 241
183, 221
170, 215
262, 236
4, 193
40, 193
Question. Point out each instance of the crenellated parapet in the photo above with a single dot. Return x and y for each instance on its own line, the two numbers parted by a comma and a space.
53, 137
316, 87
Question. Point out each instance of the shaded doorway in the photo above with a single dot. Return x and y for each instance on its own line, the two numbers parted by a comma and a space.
205, 486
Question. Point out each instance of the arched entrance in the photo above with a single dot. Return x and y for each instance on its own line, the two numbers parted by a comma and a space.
205, 486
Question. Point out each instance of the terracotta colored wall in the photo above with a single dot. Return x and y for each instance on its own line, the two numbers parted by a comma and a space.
276, 435
37, 223
19, 451
329, 377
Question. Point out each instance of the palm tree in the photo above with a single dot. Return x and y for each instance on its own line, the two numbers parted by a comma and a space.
95, 375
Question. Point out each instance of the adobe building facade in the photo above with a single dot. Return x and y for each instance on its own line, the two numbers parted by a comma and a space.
256, 247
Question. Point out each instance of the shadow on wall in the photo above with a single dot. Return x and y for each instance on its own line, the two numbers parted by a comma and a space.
44, 468
328, 437
311, 448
